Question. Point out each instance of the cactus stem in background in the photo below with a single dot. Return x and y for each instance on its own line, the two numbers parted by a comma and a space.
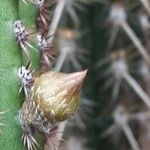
118, 17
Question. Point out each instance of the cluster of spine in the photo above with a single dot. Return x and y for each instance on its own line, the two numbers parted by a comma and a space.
128, 90
51, 98
130, 100
31, 116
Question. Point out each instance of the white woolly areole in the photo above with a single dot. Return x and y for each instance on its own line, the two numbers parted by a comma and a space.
120, 116
66, 45
119, 67
144, 21
25, 76
42, 43
19, 30
39, 3
117, 14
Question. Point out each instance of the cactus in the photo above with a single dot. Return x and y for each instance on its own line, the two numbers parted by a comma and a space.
110, 38
19, 48
10, 61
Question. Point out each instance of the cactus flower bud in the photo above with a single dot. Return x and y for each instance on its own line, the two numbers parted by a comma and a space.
57, 94
54, 98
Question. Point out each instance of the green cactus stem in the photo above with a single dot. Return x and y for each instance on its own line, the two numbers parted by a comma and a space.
28, 14
10, 61
10, 57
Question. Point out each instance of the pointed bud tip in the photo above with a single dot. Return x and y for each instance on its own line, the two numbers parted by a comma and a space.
80, 74
78, 77
83, 73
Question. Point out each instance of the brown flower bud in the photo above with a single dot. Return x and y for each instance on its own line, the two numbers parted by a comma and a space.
58, 94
